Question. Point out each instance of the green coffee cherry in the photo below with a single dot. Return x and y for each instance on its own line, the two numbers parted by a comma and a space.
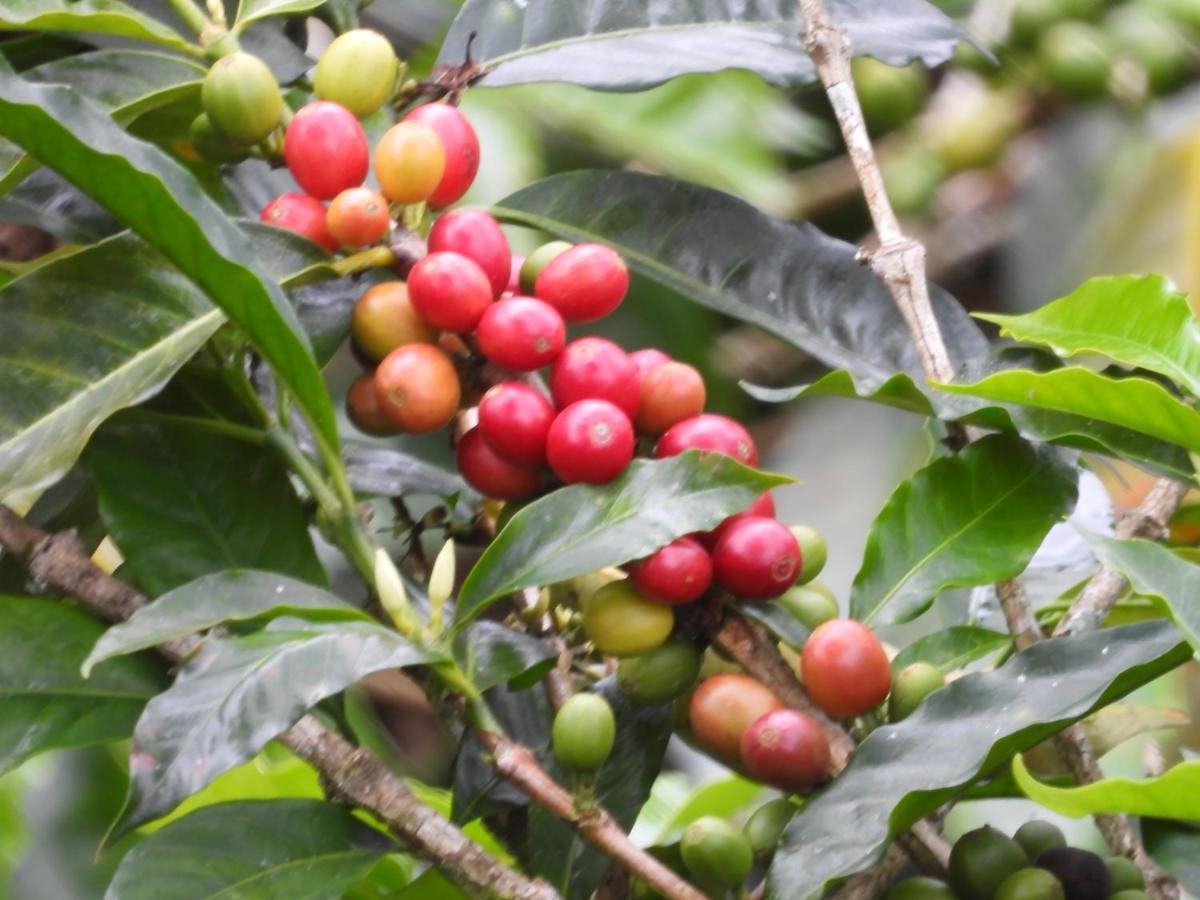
921, 888
976, 134
662, 674
358, 70
1077, 59
809, 604
1185, 12
1031, 17
911, 687
1151, 39
1037, 836
1129, 895
211, 144
715, 853
538, 260
1124, 875
621, 622
765, 827
1030, 884
241, 98
890, 95
583, 733
912, 176
813, 552
981, 860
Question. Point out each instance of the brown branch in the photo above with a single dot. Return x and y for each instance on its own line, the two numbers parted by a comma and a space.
61, 563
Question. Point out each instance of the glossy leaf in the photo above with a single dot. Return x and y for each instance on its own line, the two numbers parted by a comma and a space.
233, 596
45, 704
1138, 320
778, 621
952, 648
582, 528
181, 503
904, 771
1176, 847
491, 654
301, 849
98, 16
233, 695
393, 473
251, 11
1173, 795
626, 46
75, 348
156, 197
961, 521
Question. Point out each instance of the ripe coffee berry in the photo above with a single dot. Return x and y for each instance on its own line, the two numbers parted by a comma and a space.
362, 406
514, 275
491, 475
762, 507
449, 291
845, 668
584, 283
786, 749
675, 574
477, 236
302, 214
514, 420
590, 441
709, 432
647, 361
326, 149
409, 162
357, 217
461, 150
418, 388
723, 707
593, 368
521, 333
756, 558
384, 319
671, 392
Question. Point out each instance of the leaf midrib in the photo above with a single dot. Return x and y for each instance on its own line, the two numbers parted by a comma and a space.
290, 864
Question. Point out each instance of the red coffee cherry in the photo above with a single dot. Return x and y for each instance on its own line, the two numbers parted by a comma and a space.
521, 333
787, 750
491, 475
302, 214
362, 406
409, 162
384, 319
326, 149
723, 707
590, 441
515, 419
763, 507
756, 559
593, 368
846, 670
647, 361
675, 574
671, 392
514, 275
718, 434
584, 283
357, 217
461, 150
477, 236
449, 291
418, 388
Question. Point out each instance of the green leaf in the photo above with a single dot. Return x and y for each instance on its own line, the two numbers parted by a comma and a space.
961, 521
233, 695
1176, 847
300, 849
1138, 320
180, 503
251, 11
724, 798
952, 648
76, 347
778, 621
392, 473
235, 596
626, 46
96, 16
1174, 795
1135, 403
582, 528
491, 654
905, 771
45, 704
156, 197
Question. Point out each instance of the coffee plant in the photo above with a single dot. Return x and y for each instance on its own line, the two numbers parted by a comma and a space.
332, 667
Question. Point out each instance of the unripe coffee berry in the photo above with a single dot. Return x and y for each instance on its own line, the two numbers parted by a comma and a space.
514, 420
589, 441
521, 333
357, 217
362, 406
214, 145
302, 214
384, 319
718, 434
621, 622
787, 750
584, 283
676, 574
764, 829
812, 550
584, 732
809, 604
913, 684
326, 149
477, 236
532, 267
661, 674
418, 388
461, 150
756, 558
241, 98
489, 474
358, 70
449, 291
409, 162
716, 854
845, 668
594, 368
672, 392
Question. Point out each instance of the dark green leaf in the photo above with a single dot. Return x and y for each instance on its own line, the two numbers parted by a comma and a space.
100, 16
961, 521
156, 197
250, 11
235, 596
952, 648
45, 201
300, 849
626, 46
45, 704
234, 695
180, 503
391, 473
778, 621
905, 771
490, 654
1176, 847
582, 528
